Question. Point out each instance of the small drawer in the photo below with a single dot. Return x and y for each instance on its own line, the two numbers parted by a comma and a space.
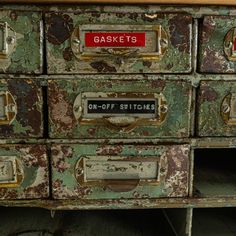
119, 171
217, 108
20, 109
20, 42
218, 44
23, 172
118, 43
105, 108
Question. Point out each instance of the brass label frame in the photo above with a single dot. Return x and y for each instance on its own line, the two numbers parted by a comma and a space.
9, 108
228, 109
229, 39
77, 42
123, 123
8, 40
80, 170
17, 172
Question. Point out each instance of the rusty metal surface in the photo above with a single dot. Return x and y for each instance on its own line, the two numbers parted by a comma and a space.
28, 121
174, 174
212, 57
62, 95
32, 165
211, 114
26, 55
61, 58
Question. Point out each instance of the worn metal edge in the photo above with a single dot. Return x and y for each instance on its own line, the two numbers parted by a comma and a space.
82, 204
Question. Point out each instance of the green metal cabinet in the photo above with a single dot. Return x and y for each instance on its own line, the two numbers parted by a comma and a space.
21, 104
119, 107
119, 171
24, 172
118, 43
217, 107
218, 44
21, 42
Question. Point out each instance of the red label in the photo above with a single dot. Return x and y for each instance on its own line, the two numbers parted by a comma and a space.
235, 44
105, 39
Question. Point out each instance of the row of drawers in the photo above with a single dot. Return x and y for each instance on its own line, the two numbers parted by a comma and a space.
113, 43
81, 171
114, 107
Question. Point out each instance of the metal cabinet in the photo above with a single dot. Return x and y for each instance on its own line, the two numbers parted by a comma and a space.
216, 114
119, 171
118, 43
21, 45
21, 108
119, 107
218, 45
24, 172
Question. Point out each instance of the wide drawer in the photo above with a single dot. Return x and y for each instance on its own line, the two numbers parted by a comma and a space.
217, 108
218, 44
118, 43
20, 108
119, 108
119, 171
20, 42
24, 172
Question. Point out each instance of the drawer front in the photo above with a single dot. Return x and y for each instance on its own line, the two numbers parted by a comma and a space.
217, 108
20, 109
23, 172
20, 42
104, 108
118, 43
218, 44
119, 171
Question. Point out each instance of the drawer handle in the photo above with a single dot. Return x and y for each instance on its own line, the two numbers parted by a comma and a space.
122, 185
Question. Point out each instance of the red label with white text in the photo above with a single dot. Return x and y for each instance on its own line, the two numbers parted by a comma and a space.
111, 39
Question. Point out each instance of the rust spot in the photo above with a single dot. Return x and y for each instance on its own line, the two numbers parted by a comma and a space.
109, 150
39, 190
147, 63
180, 33
13, 15
208, 28
208, 94
213, 61
158, 84
60, 27
8, 193
68, 54
91, 131
102, 67
28, 100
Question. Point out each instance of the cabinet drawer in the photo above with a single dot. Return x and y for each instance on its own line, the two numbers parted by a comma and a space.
119, 108
217, 108
119, 171
20, 42
218, 44
20, 108
23, 172
118, 43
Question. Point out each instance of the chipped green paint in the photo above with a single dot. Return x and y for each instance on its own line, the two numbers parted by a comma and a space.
172, 174
32, 172
210, 119
62, 95
28, 121
26, 57
61, 58
212, 58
